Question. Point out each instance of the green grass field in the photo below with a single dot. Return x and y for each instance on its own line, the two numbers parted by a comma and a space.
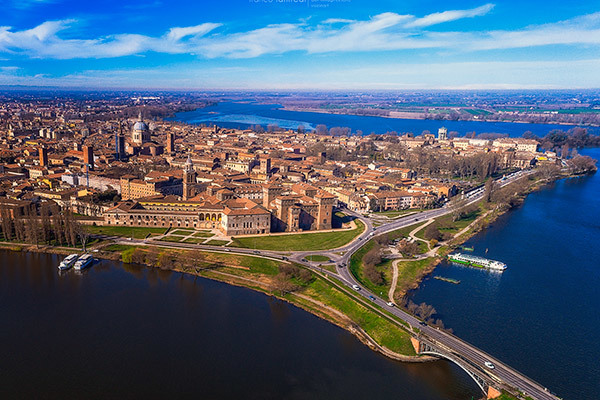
125, 231
217, 242
385, 332
300, 241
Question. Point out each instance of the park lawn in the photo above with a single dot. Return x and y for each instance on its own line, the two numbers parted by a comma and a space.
124, 231
206, 234
329, 267
194, 240
408, 272
172, 238
383, 331
356, 268
300, 241
256, 265
184, 232
118, 247
217, 242
317, 257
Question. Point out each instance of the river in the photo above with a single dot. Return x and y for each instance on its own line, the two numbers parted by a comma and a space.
129, 332
243, 114
540, 315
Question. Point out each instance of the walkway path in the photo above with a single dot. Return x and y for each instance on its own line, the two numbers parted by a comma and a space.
394, 280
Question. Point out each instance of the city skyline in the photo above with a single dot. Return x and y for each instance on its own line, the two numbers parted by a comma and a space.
300, 45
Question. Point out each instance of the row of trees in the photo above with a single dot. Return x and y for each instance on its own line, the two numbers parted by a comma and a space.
43, 227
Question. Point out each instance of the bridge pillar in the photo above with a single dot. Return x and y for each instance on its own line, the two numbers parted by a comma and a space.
492, 393
416, 344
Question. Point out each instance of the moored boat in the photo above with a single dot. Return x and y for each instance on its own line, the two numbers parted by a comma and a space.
475, 261
83, 262
68, 262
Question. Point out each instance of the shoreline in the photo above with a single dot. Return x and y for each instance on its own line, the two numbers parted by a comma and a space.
417, 118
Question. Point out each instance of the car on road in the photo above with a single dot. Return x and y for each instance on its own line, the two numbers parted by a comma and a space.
372, 298
489, 365
416, 219
227, 249
389, 303
256, 252
423, 323
284, 258
355, 287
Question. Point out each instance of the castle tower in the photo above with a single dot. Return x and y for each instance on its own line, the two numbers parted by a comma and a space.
270, 192
189, 179
325, 211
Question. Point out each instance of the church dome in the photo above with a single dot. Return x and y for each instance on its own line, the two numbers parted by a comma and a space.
140, 126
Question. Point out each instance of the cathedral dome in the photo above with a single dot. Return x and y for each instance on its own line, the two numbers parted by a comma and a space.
140, 126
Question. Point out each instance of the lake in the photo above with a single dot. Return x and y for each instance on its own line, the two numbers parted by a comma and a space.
244, 114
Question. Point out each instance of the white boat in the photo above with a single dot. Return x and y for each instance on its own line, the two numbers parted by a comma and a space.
84, 262
68, 262
475, 261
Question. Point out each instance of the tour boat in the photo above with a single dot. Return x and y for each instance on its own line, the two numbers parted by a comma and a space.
68, 262
476, 261
84, 262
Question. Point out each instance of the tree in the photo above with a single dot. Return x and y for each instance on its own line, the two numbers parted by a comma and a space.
408, 248
488, 190
432, 232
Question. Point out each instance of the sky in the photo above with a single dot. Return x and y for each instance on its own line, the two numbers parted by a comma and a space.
301, 44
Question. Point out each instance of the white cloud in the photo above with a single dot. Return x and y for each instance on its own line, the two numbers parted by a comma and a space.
383, 32
457, 75
451, 15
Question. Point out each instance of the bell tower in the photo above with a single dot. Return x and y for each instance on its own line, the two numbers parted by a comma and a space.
189, 179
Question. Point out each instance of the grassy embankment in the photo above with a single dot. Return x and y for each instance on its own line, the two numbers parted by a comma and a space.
318, 295
300, 241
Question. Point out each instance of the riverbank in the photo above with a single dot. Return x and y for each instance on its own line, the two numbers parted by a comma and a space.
409, 115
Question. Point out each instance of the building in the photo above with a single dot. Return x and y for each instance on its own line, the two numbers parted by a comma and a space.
88, 157
140, 133
119, 146
189, 179
132, 188
442, 133
43, 156
229, 215
170, 143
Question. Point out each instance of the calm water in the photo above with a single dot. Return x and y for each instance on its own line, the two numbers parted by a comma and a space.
122, 332
541, 314
242, 115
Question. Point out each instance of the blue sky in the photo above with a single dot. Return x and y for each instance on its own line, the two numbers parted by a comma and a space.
300, 44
